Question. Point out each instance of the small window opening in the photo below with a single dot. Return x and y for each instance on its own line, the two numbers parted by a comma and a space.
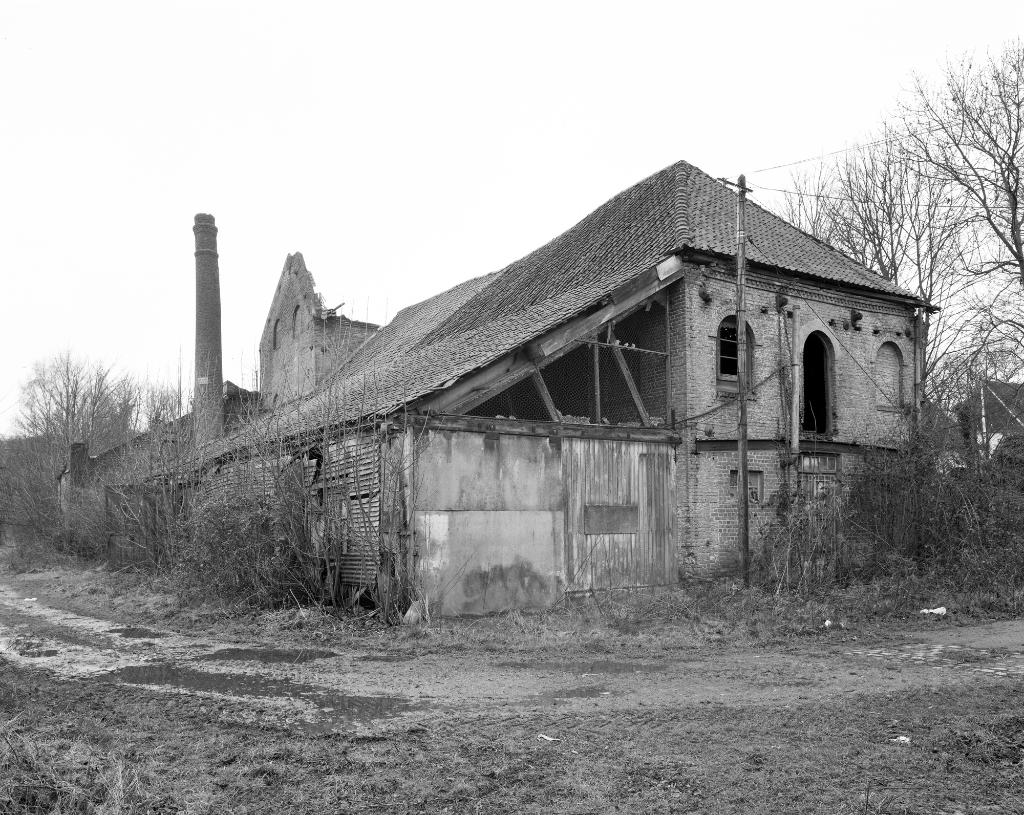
818, 474
277, 325
817, 407
755, 484
295, 321
728, 352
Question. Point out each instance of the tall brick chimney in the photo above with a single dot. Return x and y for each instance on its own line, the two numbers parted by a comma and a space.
208, 402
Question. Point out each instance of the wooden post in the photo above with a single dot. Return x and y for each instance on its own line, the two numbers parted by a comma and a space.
794, 362
631, 385
545, 397
919, 351
741, 377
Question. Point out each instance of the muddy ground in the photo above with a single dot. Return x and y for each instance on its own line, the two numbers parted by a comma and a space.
561, 713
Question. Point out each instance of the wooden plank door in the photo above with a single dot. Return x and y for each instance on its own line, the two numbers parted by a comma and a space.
618, 514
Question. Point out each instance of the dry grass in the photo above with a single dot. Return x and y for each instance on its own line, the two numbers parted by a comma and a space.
66, 775
93, 747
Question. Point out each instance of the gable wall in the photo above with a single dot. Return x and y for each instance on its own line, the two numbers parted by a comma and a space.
706, 511
319, 343
289, 369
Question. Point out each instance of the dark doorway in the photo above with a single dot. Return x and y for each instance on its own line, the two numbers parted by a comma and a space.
817, 409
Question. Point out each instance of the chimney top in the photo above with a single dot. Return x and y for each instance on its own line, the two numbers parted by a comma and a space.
202, 218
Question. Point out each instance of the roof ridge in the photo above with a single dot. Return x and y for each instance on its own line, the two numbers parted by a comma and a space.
869, 278
681, 214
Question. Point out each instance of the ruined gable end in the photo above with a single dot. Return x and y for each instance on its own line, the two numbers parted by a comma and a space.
302, 341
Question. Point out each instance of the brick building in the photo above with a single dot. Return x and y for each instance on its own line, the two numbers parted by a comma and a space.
569, 422
302, 340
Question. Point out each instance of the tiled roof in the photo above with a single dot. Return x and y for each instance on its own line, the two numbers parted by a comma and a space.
707, 209
434, 342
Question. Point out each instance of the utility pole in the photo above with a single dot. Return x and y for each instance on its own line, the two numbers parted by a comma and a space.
742, 373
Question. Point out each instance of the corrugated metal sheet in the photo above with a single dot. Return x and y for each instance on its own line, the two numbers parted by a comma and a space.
352, 479
637, 476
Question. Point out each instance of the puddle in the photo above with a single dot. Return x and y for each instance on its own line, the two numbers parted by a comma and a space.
385, 658
336, 708
577, 693
594, 667
135, 633
35, 654
267, 655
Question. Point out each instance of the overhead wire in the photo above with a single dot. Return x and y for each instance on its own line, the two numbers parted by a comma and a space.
850, 149
844, 198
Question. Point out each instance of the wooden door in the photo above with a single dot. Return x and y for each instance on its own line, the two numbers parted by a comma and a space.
618, 514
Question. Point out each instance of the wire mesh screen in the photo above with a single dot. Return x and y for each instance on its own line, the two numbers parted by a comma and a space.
587, 384
570, 381
617, 405
644, 329
650, 373
520, 401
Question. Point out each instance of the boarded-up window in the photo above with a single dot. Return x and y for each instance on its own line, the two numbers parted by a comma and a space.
889, 376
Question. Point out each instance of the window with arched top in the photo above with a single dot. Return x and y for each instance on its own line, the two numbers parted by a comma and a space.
277, 325
889, 376
816, 415
728, 353
295, 322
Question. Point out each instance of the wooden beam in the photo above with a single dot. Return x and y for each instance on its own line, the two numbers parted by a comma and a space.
518, 427
619, 358
483, 385
597, 383
482, 394
623, 299
545, 397
478, 386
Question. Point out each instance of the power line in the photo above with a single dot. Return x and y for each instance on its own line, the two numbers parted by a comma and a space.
847, 199
866, 145
822, 156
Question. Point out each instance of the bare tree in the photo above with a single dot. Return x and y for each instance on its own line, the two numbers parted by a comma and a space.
969, 132
66, 400
70, 399
882, 207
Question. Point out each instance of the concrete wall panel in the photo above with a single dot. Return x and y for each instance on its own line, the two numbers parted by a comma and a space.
478, 561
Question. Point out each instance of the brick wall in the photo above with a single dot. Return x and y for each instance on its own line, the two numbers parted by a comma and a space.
862, 362
309, 342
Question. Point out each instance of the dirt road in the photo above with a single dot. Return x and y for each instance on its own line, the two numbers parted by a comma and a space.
601, 723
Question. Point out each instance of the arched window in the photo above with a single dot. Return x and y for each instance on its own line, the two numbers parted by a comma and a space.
817, 375
277, 325
889, 376
728, 353
295, 321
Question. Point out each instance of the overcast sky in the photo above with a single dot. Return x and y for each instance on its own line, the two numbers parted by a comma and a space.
401, 147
